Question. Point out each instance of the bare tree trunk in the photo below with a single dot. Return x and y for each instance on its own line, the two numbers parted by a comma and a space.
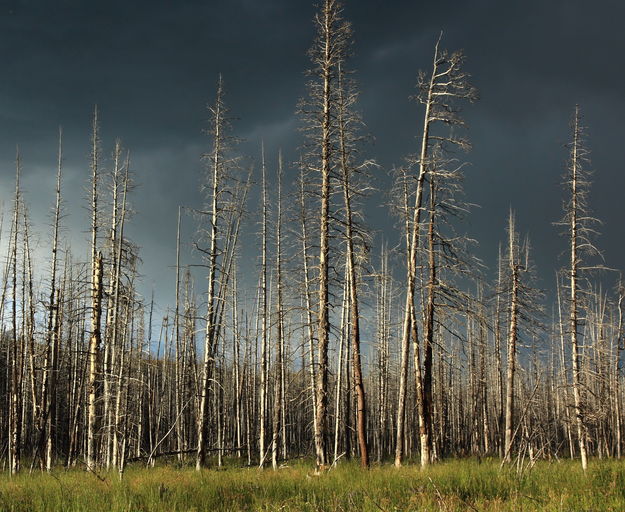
28, 328
279, 391
344, 330
409, 327
96, 302
238, 376
564, 383
264, 349
383, 327
425, 419
573, 321
323, 331
52, 338
308, 307
15, 414
180, 353
498, 355
94, 354
109, 348
346, 171
406, 329
446, 84
512, 336
115, 316
209, 339
617, 374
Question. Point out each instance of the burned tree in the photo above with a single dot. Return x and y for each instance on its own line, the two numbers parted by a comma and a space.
439, 92
580, 230
225, 198
319, 111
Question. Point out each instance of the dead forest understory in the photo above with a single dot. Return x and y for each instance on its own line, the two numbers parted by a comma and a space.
322, 344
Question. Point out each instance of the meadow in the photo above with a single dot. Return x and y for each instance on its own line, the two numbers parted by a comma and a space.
454, 485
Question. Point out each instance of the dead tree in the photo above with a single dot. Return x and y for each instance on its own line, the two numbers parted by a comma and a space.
439, 92
580, 229
224, 213
216, 171
264, 348
16, 353
514, 268
96, 302
307, 300
347, 124
48, 392
319, 111
279, 402
617, 371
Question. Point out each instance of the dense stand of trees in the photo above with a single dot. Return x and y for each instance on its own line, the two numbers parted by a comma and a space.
329, 347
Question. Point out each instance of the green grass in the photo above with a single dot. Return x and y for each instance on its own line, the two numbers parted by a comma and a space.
454, 485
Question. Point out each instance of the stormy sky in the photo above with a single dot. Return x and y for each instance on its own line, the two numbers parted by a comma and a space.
151, 68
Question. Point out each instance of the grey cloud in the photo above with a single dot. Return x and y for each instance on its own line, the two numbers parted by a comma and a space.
152, 68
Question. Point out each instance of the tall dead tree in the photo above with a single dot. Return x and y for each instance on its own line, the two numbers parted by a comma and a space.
524, 320
347, 124
279, 401
180, 352
329, 48
96, 302
307, 300
264, 348
224, 213
439, 92
514, 268
617, 370
122, 246
110, 327
580, 229
16, 354
497, 340
216, 169
48, 392
426, 429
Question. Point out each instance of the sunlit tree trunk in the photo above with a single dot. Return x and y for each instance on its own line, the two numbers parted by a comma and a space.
512, 335
96, 303
48, 394
574, 291
279, 391
209, 339
16, 354
345, 98
264, 348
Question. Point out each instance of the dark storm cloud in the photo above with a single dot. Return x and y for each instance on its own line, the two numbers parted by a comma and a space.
151, 68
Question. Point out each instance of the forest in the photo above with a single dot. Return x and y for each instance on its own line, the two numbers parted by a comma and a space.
328, 343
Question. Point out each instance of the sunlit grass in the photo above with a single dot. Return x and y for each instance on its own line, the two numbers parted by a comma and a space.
454, 485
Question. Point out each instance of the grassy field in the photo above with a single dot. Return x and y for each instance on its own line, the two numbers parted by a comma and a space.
448, 486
